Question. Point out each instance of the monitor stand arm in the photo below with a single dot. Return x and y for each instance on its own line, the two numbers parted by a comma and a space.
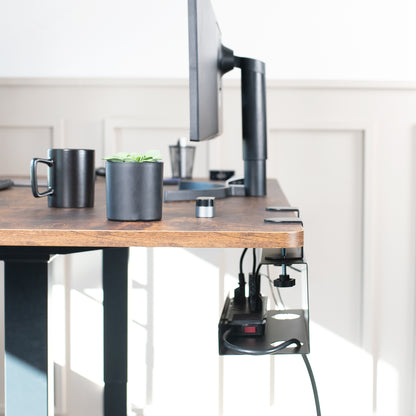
253, 97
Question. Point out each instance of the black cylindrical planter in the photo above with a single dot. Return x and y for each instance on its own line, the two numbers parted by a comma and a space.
134, 191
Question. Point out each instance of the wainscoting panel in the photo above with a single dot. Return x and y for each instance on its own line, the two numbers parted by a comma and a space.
124, 134
344, 154
322, 171
20, 143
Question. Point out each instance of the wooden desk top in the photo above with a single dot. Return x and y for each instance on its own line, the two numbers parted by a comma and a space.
239, 222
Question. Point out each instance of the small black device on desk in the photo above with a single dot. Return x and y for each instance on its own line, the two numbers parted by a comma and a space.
5, 184
100, 171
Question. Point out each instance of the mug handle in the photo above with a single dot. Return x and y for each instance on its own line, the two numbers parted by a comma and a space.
34, 177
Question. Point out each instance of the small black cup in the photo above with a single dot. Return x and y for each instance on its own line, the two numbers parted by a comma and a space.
71, 178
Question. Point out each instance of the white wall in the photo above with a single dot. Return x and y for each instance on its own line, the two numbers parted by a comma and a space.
299, 39
324, 39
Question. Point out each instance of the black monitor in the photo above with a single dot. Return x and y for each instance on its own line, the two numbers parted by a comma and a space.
209, 60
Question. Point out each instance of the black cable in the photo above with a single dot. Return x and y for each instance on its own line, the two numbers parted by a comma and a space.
254, 260
295, 269
273, 350
241, 259
243, 350
314, 388
257, 274
267, 276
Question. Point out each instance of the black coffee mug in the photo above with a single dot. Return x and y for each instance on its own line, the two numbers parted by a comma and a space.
71, 177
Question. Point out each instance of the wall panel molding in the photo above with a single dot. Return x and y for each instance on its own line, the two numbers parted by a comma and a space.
23, 138
56, 127
156, 135
113, 125
367, 131
229, 83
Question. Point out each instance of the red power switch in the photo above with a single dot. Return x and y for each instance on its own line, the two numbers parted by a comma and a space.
250, 329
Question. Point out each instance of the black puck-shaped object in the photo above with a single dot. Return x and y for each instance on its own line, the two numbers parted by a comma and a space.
205, 207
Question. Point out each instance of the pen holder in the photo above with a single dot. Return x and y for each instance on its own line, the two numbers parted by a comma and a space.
182, 161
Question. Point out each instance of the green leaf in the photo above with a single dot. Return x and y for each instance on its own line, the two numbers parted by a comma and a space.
154, 154
149, 156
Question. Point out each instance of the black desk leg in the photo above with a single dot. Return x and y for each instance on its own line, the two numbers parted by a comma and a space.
115, 287
26, 335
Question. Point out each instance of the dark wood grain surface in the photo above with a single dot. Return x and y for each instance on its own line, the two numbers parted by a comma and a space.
238, 222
